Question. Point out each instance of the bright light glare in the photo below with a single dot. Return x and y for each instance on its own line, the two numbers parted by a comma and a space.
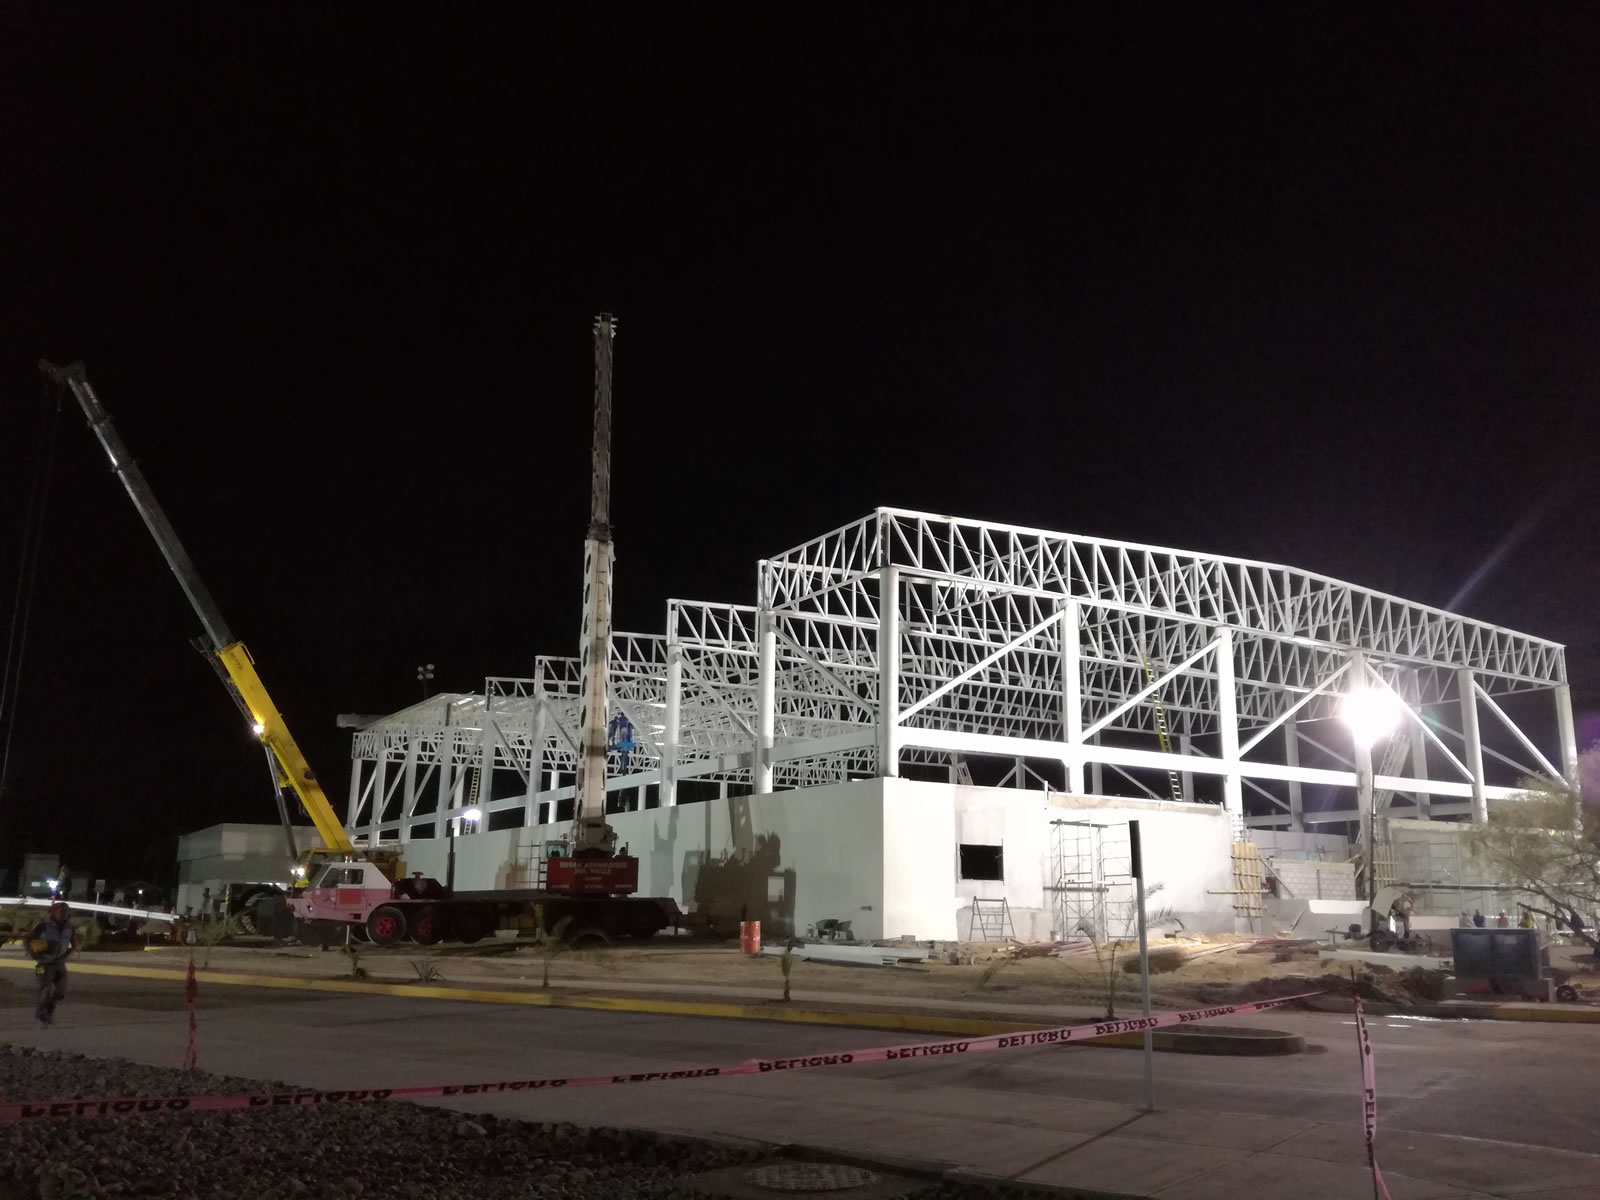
472, 814
52, 884
1371, 714
259, 728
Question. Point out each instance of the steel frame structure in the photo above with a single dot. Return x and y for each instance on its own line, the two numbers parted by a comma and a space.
906, 641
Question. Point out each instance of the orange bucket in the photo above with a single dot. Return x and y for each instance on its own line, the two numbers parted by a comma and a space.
750, 937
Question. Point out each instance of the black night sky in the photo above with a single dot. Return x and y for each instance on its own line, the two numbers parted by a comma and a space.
1321, 289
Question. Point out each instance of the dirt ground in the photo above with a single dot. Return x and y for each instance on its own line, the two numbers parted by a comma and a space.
1195, 971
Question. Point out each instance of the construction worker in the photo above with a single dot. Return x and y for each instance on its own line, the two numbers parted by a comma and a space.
51, 944
1400, 910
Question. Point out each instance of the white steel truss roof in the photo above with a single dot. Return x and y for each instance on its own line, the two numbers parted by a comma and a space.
983, 639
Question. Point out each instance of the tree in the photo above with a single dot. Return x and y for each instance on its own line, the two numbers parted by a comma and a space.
1546, 842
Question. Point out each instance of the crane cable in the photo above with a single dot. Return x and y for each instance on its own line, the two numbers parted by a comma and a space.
27, 580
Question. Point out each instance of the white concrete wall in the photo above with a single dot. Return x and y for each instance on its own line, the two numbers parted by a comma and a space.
882, 854
920, 896
805, 857
1188, 851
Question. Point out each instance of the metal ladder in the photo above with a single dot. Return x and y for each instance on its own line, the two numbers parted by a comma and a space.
991, 920
1174, 784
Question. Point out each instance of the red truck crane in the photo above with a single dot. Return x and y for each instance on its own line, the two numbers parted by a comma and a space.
588, 892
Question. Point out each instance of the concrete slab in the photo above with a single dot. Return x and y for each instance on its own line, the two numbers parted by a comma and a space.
1137, 1165
1275, 1175
1474, 1164
1230, 1130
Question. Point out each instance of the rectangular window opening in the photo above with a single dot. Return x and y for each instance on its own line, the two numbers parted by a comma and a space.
982, 862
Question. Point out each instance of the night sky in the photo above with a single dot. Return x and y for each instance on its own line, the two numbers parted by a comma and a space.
1317, 290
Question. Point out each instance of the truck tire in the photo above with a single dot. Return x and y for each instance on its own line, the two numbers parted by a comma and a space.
425, 925
471, 923
644, 922
386, 925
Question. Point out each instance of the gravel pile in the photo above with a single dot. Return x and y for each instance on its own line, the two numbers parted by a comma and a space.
388, 1151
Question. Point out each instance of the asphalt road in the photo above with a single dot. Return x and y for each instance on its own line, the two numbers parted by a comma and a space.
1465, 1108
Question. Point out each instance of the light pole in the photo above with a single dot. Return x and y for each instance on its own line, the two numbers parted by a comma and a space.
1370, 713
471, 817
425, 678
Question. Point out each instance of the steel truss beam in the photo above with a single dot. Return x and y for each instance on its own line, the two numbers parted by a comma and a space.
980, 666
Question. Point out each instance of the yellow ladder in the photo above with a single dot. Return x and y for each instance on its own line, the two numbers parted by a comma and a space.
1174, 784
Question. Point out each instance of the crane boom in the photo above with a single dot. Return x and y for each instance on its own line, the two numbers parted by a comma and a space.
236, 666
591, 832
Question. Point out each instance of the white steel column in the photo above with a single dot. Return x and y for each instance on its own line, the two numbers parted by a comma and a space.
1419, 770
889, 673
447, 782
408, 802
1473, 756
530, 815
354, 805
1568, 733
485, 779
380, 787
674, 728
1228, 726
1187, 777
1072, 695
1291, 758
766, 703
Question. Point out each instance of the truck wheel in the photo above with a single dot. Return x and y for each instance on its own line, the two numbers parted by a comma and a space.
386, 925
588, 937
1567, 994
472, 924
645, 924
425, 925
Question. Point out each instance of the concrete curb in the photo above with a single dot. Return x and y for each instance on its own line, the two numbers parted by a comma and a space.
1182, 1041
1527, 1011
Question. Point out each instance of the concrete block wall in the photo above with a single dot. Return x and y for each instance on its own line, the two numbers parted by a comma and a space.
1305, 880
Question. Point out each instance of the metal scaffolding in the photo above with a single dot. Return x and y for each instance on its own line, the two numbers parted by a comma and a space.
908, 643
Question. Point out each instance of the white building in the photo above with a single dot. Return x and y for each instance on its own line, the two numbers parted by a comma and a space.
211, 859
889, 666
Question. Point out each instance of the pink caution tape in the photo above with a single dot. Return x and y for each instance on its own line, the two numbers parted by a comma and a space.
1369, 1097
137, 1106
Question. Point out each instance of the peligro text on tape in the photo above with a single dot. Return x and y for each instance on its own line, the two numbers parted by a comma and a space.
144, 1105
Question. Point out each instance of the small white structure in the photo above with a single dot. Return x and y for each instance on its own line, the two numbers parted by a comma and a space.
895, 857
210, 859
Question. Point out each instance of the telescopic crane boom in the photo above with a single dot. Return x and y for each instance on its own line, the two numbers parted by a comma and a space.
592, 834
227, 654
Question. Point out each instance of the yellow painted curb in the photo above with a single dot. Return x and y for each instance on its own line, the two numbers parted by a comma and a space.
901, 1022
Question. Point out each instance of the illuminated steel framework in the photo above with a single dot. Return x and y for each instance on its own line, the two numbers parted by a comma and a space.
908, 643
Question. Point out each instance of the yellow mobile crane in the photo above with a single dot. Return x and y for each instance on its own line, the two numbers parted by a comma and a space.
227, 654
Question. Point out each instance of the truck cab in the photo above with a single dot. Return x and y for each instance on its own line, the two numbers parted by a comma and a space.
344, 892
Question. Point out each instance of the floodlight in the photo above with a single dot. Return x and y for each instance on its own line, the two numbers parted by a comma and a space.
1370, 713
